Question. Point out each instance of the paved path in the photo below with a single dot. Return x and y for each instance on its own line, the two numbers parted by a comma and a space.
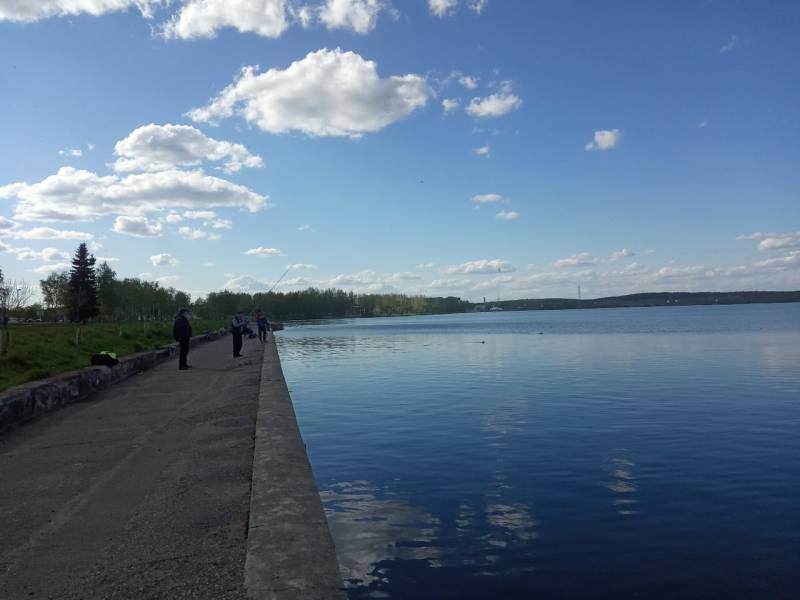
140, 493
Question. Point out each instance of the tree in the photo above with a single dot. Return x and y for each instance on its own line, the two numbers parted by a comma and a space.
108, 292
13, 296
83, 286
55, 291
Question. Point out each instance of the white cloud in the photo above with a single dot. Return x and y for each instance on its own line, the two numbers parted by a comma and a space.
90, 146
71, 152
359, 278
51, 268
27, 11
297, 266
605, 139
359, 16
732, 43
173, 218
624, 253
200, 214
163, 147
576, 260
164, 260
495, 105
136, 226
48, 233
702, 124
780, 241
24, 253
77, 195
442, 8
483, 266
450, 104
304, 15
428, 265
145, 275
297, 281
203, 18
405, 276
208, 265
209, 218
468, 82
477, 5
774, 241
7, 224
449, 284
54, 254
260, 251
678, 272
167, 280
486, 198
188, 233
484, 151
327, 93
246, 283
754, 236
305, 228
507, 215
790, 260
494, 282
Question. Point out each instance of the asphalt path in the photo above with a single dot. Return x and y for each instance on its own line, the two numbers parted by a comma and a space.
141, 492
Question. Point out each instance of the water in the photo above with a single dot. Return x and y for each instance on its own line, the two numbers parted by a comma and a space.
645, 452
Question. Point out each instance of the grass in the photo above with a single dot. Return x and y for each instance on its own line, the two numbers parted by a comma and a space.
44, 349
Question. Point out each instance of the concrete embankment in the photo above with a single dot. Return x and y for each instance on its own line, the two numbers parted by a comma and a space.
31, 400
150, 490
290, 553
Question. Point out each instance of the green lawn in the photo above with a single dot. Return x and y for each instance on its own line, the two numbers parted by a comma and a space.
44, 349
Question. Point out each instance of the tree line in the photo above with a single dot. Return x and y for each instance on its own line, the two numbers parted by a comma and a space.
314, 303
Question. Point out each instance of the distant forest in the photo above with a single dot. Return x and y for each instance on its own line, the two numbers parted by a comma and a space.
651, 299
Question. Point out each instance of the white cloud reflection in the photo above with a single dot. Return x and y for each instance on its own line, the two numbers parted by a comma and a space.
368, 530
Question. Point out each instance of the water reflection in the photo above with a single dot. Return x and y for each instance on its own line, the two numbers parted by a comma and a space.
369, 530
374, 531
623, 484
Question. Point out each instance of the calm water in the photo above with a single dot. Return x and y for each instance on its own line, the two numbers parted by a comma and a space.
647, 453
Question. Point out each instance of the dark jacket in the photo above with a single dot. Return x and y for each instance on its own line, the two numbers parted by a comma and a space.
181, 330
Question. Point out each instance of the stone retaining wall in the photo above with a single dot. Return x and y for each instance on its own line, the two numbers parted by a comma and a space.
30, 400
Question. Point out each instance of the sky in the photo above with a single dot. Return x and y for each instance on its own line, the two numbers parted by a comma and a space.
477, 148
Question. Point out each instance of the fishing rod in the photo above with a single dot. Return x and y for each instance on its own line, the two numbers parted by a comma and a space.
279, 279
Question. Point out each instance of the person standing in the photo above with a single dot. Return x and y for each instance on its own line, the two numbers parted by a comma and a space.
261, 321
237, 329
182, 332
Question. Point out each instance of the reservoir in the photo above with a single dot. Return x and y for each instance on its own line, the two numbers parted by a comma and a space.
639, 452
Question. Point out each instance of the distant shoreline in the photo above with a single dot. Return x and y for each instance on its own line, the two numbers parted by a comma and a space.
644, 300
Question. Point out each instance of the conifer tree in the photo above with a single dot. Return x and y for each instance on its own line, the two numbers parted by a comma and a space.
83, 286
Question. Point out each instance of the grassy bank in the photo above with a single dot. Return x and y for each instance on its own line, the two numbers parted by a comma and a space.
44, 349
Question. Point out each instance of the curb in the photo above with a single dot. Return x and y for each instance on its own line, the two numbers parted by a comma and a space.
29, 401
290, 552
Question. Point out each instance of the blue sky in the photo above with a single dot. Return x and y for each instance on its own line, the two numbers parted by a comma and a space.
500, 148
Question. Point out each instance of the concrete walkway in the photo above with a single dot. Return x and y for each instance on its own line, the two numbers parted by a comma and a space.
142, 492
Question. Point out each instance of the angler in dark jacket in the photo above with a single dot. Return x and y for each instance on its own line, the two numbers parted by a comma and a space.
182, 332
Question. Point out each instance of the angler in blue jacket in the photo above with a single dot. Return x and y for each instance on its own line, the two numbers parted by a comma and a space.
237, 329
